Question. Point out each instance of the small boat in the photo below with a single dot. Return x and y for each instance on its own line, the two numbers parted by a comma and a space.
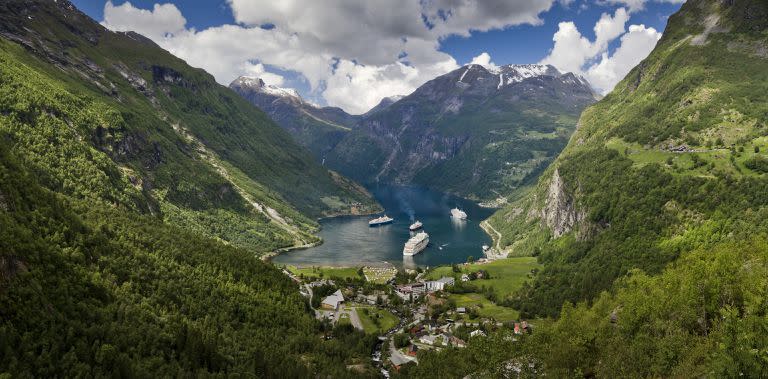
416, 226
458, 214
383, 220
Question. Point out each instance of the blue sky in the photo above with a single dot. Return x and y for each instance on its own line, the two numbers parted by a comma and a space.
335, 56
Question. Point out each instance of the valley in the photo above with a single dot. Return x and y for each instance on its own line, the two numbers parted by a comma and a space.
585, 220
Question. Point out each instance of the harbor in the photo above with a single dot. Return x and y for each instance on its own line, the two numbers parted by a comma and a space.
352, 242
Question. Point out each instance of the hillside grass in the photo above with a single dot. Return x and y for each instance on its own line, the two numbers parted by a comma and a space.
325, 272
376, 320
507, 275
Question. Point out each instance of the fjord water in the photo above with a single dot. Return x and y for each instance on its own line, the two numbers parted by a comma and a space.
349, 241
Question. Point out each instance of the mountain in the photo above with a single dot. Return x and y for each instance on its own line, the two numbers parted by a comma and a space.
651, 224
138, 127
317, 128
477, 132
383, 104
136, 195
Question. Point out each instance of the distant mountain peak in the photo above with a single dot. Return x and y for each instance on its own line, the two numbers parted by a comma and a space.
257, 84
510, 74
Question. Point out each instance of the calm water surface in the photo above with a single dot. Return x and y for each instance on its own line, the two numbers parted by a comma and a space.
349, 241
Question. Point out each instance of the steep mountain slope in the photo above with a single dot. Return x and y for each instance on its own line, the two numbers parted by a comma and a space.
93, 289
475, 132
669, 167
317, 128
130, 215
112, 117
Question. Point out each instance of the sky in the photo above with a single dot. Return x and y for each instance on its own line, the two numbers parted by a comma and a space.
353, 53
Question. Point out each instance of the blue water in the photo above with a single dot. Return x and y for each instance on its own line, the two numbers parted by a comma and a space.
349, 241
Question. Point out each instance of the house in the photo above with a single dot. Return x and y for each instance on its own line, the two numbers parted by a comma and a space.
418, 289
476, 333
464, 277
518, 329
398, 360
457, 342
440, 284
429, 339
332, 302
413, 350
461, 310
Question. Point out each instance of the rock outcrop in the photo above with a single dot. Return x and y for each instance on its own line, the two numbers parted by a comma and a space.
559, 213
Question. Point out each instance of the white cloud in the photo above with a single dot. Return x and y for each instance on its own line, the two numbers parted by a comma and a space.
638, 5
572, 52
351, 53
635, 46
162, 20
484, 59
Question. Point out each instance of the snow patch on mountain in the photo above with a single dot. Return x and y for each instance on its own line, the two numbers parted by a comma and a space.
257, 84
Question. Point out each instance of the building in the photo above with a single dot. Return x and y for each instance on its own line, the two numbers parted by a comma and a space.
332, 302
464, 277
418, 289
413, 350
440, 284
476, 333
428, 339
457, 342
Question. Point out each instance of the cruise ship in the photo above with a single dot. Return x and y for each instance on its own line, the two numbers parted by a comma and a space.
416, 226
381, 221
416, 244
458, 213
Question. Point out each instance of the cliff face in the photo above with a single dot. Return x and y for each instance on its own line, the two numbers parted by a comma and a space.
559, 213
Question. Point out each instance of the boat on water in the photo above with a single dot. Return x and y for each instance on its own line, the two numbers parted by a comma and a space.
458, 214
416, 226
416, 244
383, 220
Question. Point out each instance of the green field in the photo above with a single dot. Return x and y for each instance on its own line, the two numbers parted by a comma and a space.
487, 309
507, 275
386, 320
325, 272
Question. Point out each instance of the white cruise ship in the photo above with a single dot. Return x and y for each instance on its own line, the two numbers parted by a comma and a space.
416, 244
381, 221
416, 226
458, 213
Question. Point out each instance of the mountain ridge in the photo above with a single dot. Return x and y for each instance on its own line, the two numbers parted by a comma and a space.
469, 125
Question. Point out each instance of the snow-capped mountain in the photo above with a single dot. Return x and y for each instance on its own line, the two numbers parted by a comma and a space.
253, 84
317, 128
477, 131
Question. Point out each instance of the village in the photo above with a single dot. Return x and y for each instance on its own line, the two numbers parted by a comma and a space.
412, 309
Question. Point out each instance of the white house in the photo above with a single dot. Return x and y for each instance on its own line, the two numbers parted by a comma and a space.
476, 333
440, 284
332, 302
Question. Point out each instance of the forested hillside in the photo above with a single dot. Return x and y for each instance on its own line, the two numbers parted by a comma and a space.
136, 195
90, 289
112, 117
652, 219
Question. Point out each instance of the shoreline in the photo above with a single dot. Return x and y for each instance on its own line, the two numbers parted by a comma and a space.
268, 256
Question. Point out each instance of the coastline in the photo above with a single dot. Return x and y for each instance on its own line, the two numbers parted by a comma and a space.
268, 256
